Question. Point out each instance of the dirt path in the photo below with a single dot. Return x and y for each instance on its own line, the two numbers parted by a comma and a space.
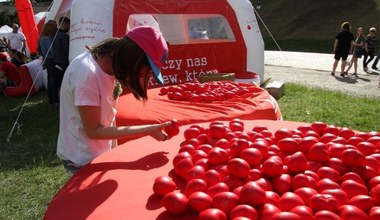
365, 85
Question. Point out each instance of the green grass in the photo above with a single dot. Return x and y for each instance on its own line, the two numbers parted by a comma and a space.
300, 45
30, 173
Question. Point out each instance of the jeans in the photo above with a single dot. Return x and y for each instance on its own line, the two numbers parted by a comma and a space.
52, 90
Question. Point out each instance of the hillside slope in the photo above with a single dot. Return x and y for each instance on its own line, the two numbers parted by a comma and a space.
315, 22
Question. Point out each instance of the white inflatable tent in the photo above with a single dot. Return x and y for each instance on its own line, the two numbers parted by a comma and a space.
204, 36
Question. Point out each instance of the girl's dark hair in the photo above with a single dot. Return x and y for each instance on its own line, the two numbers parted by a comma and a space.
129, 63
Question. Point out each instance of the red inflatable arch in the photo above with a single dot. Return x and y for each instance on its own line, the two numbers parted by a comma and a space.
28, 24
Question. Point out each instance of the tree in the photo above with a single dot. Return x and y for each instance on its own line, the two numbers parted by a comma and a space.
8, 17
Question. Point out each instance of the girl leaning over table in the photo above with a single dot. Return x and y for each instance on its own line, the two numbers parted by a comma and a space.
90, 91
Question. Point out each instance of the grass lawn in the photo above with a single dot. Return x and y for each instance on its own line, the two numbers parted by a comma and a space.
30, 173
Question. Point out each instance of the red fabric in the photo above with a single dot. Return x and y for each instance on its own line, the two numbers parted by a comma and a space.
118, 184
256, 105
11, 71
24, 85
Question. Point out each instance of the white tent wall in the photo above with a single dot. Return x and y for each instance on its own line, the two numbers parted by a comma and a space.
92, 21
89, 25
252, 36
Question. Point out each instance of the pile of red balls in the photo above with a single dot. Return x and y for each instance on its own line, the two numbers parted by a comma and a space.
317, 171
207, 92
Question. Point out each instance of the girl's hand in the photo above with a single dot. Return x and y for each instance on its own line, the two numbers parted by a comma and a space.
157, 131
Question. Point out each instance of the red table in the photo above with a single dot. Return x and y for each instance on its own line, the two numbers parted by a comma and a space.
118, 184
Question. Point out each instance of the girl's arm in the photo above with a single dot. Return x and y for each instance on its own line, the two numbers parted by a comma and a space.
90, 118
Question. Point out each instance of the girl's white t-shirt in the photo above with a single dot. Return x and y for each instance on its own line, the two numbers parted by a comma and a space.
84, 84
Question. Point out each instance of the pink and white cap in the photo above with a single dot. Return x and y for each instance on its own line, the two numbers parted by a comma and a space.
151, 41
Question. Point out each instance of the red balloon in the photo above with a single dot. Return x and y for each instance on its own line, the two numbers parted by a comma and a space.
252, 155
271, 167
225, 201
217, 188
212, 214
175, 202
218, 155
375, 194
272, 197
304, 212
323, 202
195, 185
285, 216
183, 166
163, 185
353, 157
217, 131
238, 167
244, 210
328, 172
196, 172
268, 210
363, 202
339, 194
282, 183
282, 133
353, 188
296, 162
348, 212
199, 201
326, 183
249, 189
303, 180
288, 144
374, 213
305, 143
288, 201
318, 152
191, 132
319, 127
173, 128
212, 177
346, 133
337, 164
325, 214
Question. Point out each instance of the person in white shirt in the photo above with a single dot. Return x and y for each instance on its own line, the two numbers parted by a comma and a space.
16, 39
90, 90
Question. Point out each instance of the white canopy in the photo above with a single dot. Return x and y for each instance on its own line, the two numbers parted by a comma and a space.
4, 30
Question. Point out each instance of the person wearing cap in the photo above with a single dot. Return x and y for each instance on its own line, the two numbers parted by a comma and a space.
9, 73
90, 91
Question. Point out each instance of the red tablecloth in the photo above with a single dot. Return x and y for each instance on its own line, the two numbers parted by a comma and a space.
258, 104
118, 184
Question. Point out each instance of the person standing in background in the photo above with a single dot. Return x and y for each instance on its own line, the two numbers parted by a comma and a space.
343, 44
370, 47
46, 50
61, 53
358, 51
16, 39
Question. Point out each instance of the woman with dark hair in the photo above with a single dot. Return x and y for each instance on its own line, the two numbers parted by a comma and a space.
343, 44
90, 91
46, 51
